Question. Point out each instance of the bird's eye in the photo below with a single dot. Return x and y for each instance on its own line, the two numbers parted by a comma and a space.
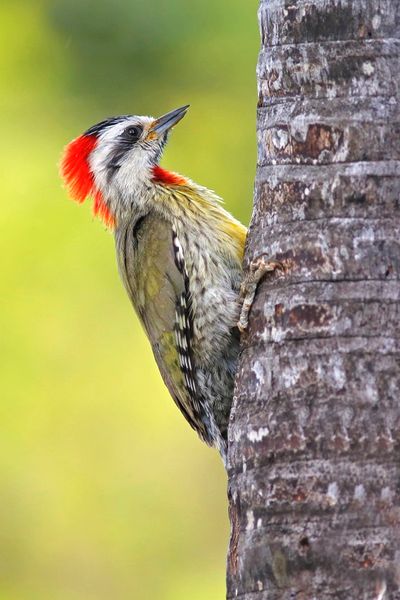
133, 133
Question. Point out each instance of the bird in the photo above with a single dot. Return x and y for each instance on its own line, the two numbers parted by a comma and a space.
179, 255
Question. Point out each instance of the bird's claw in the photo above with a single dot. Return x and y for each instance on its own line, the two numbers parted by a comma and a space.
259, 267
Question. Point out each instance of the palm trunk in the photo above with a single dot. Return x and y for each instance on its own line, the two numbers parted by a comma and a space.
314, 455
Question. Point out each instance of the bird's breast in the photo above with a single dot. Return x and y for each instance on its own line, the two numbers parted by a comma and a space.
214, 281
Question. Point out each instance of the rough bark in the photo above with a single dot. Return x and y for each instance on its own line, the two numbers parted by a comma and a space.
314, 476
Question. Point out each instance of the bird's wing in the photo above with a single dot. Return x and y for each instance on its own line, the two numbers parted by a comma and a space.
153, 270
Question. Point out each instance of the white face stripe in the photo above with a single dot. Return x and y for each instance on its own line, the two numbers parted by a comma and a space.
110, 134
134, 171
108, 138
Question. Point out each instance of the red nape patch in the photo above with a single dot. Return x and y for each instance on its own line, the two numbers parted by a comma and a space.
164, 177
79, 179
101, 210
74, 167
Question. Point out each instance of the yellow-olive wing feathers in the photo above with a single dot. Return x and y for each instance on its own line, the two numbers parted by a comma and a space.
153, 270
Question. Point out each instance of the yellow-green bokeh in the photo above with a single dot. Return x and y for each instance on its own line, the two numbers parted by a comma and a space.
105, 491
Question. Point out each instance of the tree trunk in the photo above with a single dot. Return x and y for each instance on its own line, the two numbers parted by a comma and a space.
314, 476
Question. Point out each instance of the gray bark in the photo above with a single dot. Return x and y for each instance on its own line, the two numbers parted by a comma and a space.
314, 457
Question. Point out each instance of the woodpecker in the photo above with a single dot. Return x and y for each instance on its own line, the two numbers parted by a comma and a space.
179, 256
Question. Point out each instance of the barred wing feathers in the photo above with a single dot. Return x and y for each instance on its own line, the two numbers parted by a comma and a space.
153, 270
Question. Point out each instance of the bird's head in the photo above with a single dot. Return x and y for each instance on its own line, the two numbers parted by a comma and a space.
115, 160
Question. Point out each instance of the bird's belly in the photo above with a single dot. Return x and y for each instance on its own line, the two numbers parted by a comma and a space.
216, 347
215, 314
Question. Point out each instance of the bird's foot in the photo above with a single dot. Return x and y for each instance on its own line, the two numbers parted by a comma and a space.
259, 267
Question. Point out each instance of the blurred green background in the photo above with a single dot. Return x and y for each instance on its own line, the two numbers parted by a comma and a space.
105, 491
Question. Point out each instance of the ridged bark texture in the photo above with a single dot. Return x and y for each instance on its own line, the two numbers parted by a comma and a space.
314, 476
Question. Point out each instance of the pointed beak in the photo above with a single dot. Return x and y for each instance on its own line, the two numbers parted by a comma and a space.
166, 122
